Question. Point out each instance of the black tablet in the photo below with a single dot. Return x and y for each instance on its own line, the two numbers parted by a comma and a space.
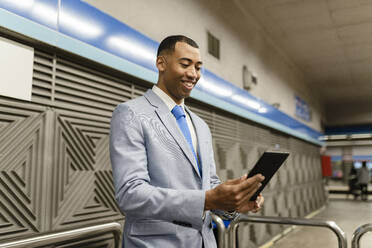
267, 165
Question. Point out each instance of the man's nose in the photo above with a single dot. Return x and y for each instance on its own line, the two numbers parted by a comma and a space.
192, 73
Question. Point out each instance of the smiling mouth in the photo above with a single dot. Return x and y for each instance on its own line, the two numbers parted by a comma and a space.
188, 84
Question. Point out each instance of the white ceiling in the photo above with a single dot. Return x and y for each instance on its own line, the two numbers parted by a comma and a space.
331, 43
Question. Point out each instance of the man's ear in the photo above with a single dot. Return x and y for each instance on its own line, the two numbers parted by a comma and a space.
161, 63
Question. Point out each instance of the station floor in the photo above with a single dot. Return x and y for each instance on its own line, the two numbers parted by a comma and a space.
348, 215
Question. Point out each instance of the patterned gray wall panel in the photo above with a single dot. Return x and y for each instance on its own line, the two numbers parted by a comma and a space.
82, 190
295, 191
55, 171
22, 138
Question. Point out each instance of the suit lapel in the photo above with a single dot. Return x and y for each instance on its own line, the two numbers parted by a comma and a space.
170, 123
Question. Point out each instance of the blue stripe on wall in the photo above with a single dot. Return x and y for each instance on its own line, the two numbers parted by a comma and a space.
363, 157
356, 129
88, 32
355, 158
336, 158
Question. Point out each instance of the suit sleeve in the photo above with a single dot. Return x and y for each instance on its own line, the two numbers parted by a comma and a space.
134, 194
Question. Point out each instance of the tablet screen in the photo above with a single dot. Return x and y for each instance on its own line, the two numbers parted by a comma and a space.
267, 165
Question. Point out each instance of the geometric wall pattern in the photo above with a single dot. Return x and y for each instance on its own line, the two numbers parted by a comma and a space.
55, 171
295, 190
21, 152
78, 145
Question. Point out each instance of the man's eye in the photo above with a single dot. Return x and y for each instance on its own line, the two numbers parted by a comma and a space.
198, 68
184, 65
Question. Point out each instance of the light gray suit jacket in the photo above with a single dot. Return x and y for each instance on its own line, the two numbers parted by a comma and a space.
156, 177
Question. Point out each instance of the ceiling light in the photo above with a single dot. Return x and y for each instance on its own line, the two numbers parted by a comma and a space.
262, 110
21, 4
45, 13
213, 88
338, 137
79, 25
125, 46
361, 136
243, 100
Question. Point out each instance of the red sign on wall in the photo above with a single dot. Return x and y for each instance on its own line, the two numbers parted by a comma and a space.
326, 166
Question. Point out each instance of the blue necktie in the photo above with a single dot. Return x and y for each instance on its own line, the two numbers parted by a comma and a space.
180, 115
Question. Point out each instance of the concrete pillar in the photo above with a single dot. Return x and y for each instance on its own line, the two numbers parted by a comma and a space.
347, 161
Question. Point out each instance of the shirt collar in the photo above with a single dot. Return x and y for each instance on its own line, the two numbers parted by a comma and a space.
166, 99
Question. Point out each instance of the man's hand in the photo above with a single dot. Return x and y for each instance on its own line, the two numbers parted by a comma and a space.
235, 194
253, 206
258, 204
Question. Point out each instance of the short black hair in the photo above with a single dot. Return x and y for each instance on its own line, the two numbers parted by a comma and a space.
170, 42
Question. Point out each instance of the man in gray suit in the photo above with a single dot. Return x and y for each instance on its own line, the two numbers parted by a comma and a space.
162, 159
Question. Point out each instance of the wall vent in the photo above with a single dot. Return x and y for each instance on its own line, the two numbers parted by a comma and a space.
213, 46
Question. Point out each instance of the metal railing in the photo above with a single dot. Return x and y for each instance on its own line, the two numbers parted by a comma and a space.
221, 231
341, 237
358, 233
62, 236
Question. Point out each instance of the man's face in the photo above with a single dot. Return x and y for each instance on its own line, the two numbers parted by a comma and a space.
180, 71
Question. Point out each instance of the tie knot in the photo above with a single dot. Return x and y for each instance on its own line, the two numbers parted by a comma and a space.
178, 112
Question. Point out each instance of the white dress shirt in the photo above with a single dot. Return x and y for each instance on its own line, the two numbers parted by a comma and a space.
170, 103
